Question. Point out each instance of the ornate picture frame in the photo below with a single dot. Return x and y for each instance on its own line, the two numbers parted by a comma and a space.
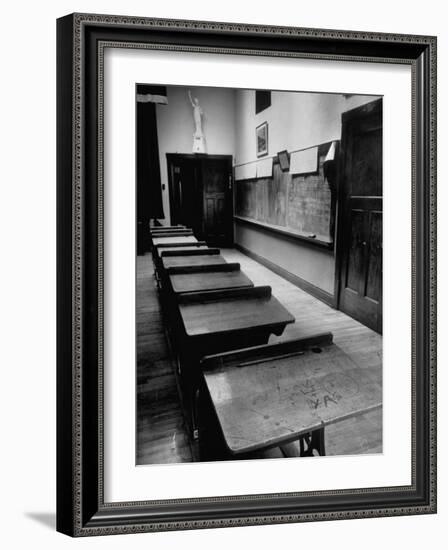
81, 507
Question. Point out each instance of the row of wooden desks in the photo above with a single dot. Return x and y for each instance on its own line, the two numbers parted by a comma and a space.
211, 306
241, 394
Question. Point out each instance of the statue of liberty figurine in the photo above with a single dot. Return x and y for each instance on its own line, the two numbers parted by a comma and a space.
198, 136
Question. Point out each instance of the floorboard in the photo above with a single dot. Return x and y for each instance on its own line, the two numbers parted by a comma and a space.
161, 434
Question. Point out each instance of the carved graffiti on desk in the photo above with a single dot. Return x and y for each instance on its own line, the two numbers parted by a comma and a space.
330, 390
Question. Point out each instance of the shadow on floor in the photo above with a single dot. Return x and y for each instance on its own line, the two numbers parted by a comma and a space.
47, 519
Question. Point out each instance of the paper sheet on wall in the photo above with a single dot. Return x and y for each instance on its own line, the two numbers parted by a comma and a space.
331, 152
246, 171
304, 162
264, 168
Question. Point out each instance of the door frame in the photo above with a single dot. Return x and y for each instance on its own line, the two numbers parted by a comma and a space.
171, 157
352, 114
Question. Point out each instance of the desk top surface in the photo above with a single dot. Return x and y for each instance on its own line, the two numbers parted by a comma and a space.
208, 280
182, 239
183, 261
233, 313
269, 402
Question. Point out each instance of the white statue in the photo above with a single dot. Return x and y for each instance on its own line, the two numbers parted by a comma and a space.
198, 136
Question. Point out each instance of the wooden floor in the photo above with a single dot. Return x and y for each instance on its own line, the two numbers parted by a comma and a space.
161, 437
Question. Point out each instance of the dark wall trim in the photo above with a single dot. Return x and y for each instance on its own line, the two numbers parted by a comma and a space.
314, 290
285, 233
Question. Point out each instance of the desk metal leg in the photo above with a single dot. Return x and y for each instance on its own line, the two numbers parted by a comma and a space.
320, 435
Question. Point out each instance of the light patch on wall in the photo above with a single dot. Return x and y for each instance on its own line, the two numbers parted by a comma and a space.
304, 162
264, 168
246, 171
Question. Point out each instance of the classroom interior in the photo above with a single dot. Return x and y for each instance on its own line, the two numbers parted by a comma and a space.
258, 274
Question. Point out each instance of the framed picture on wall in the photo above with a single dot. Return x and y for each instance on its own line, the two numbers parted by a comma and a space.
262, 139
227, 321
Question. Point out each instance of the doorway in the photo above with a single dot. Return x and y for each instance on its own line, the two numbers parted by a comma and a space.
200, 191
360, 234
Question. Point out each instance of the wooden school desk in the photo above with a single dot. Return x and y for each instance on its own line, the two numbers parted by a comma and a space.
162, 229
217, 321
203, 257
179, 233
169, 232
177, 239
158, 228
272, 395
169, 242
159, 249
217, 277
154, 230
173, 248
199, 278
185, 260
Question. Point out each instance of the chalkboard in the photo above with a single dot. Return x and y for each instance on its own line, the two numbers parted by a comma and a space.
297, 203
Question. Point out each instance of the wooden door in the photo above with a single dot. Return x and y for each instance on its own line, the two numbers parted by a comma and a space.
201, 195
185, 192
360, 240
217, 200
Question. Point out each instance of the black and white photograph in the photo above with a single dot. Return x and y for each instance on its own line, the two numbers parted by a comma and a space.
259, 267
223, 275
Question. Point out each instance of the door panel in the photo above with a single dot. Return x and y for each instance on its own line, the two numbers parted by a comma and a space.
366, 170
217, 186
355, 257
375, 260
360, 223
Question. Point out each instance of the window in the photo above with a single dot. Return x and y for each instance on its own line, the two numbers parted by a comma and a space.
262, 100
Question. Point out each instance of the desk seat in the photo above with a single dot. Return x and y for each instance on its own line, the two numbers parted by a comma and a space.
216, 277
